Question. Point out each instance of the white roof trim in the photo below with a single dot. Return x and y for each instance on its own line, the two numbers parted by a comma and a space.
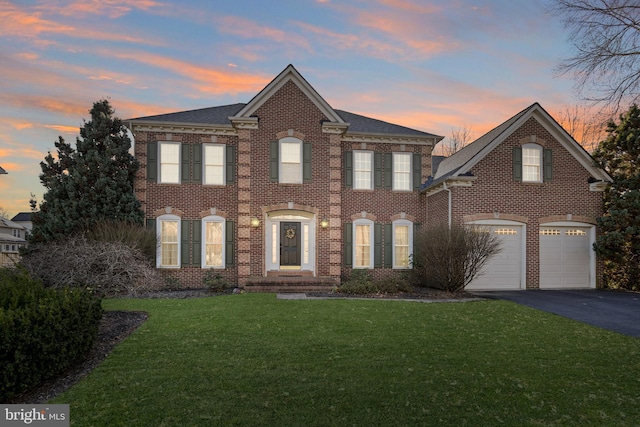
289, 74
536, 111
458, 181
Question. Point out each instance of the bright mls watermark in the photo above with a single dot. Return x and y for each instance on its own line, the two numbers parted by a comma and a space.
34, 415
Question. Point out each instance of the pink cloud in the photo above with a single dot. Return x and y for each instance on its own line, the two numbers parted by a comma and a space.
30, 23
111, 9
248, 29
204, 79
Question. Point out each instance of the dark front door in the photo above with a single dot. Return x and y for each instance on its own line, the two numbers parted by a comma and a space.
289, 243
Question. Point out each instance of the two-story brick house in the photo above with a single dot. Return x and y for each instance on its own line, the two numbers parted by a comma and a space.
287, 189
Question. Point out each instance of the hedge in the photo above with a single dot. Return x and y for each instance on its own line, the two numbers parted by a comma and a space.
43, 332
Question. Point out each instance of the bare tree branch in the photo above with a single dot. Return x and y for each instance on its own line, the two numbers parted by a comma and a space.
606, 38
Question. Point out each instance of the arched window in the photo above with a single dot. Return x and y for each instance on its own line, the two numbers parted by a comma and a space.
402, 243
168, 228
363, 243
213, 242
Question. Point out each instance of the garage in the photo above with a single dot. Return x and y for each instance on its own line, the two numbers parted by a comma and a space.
505, 269
566, 257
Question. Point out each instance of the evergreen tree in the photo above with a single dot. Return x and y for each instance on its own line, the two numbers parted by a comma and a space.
90, 183
619, 241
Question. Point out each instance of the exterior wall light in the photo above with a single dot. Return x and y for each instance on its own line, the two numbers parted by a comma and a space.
324, 223
255, 222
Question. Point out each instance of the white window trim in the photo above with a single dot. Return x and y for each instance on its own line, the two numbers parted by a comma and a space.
540, 162
160, 144
159, 220
371, 166
204, 163
371, 243
205, 220
290, 139
393, 172
409, 225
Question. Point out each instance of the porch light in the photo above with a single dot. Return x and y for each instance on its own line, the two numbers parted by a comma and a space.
255, 222
324, 223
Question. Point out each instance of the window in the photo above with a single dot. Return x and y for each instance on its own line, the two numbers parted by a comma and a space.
402, 243
363, 244
402, 171
213, 242
290, 161
169, 232
214, 158
362, 170
169, 162
531, 163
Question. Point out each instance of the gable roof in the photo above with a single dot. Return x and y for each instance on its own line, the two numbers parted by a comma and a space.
2, 171
289, 74
461, 163
224, 118
5, 223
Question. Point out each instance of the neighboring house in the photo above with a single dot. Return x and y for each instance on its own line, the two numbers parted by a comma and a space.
12, 237
286, 189
24, 219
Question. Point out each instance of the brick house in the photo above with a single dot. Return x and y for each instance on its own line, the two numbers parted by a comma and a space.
286, 189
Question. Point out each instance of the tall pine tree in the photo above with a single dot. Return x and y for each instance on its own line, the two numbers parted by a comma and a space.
618, 243
90, 183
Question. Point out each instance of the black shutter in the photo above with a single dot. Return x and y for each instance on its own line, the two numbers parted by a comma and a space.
377, 245
185, 170
230, 151
417, 172
306, 162
229, 238
348, 244
388, 245
388, 170
547, 162
185, 238
197, 163
196, 243
517, 163
274, 159
348, 169
377, 174
152, 161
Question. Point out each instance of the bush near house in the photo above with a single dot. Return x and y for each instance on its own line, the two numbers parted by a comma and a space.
450, 258
112, 258
43, 331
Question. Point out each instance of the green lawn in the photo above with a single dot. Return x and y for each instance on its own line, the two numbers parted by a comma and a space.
253, 360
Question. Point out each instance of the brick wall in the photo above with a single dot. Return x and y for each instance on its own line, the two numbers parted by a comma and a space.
495, 192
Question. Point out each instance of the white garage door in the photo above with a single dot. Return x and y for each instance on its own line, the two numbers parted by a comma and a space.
565, 257
503, 270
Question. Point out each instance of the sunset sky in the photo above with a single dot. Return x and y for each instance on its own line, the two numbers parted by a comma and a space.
431, 65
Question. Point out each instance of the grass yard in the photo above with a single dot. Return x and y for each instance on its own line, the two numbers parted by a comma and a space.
252, 360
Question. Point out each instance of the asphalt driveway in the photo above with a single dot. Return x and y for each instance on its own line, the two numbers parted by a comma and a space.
616, 311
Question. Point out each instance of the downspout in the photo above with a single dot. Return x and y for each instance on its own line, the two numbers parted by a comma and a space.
444, 186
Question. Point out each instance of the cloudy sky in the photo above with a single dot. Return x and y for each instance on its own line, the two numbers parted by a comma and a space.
427, 64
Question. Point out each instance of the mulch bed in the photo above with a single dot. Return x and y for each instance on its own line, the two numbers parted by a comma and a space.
115, 326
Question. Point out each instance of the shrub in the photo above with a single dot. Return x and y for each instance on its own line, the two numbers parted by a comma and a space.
450, 258
360, 283
215, 282
43, 332
105, 267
